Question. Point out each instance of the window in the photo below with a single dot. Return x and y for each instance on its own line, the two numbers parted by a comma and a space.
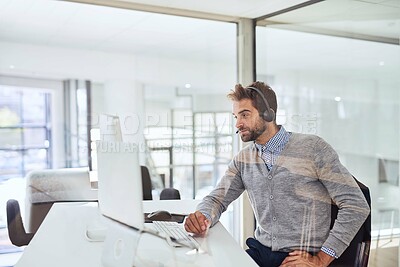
25, 131
77, 117
192, 161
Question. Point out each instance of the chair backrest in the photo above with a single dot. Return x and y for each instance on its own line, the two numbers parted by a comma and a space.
166, 193
45, 187
146, 183
170, 193
16, 230
357, 253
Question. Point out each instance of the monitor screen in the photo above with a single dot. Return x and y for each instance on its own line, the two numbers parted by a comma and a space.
110, 128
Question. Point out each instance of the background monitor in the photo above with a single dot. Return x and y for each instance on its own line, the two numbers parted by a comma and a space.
110, 128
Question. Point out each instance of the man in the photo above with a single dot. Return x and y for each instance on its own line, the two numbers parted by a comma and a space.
291, 180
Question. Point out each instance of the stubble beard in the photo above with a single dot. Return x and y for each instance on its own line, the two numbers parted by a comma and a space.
258, 130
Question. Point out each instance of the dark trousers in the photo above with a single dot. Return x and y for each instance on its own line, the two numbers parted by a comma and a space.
263, 255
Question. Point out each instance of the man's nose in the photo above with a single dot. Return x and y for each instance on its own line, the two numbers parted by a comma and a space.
238, 124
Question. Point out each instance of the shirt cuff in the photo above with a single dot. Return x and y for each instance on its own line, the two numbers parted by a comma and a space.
329, 251
208, 217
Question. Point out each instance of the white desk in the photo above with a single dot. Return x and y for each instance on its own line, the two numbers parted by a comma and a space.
60, 240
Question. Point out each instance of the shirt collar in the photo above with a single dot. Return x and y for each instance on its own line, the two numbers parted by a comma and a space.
278, 140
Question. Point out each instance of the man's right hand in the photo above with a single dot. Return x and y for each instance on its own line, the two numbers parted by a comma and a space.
197, 224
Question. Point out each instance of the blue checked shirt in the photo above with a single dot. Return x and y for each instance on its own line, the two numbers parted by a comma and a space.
273, 148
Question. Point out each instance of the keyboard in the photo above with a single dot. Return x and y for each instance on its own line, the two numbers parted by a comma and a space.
179, 237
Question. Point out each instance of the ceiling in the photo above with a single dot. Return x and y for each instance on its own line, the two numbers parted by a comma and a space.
78, 25
374, 20
227, 10
94, 27
125, 30
115, 30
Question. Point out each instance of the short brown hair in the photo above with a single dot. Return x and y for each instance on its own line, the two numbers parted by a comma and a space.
257, 101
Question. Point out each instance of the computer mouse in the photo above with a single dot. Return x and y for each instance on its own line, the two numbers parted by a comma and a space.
160, 215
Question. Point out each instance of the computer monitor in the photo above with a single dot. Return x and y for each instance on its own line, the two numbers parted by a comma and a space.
110, 128
120, 183
120, 201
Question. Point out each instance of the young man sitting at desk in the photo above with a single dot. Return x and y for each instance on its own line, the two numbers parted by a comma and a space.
291, 180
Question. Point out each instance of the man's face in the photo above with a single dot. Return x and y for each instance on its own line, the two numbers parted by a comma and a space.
248, 121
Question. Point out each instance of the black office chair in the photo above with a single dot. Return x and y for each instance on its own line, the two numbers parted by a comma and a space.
170, 193
43, 189
16, 229
357, 253
146, 183
166, 193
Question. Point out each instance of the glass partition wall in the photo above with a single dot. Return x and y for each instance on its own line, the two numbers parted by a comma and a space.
191, 156
150, 68
335, 67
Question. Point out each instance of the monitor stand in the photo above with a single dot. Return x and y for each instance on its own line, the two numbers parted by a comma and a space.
120, 245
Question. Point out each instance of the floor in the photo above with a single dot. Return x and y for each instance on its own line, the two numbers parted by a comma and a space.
9, 254
385, 253
13, 188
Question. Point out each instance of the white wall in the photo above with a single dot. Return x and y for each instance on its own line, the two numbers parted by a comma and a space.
206, 76
119, 81
62, 63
